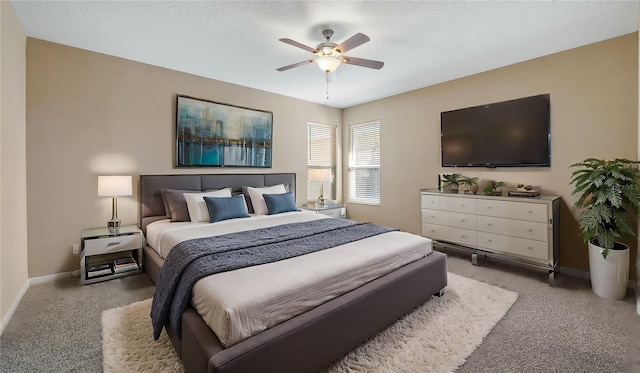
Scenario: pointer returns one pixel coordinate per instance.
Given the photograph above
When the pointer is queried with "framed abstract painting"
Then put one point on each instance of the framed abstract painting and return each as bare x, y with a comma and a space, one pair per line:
211, 134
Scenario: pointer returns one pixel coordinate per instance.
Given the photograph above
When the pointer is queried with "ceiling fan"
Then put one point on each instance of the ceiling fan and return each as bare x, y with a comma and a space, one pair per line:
330, 55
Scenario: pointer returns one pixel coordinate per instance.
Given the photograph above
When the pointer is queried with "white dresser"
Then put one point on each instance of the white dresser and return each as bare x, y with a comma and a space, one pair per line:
514, 228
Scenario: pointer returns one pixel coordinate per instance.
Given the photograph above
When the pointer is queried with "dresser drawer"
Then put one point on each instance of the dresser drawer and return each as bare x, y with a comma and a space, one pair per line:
452, 219
451, 234
463, 205
514, 245
516, 228
513, 210
105, 245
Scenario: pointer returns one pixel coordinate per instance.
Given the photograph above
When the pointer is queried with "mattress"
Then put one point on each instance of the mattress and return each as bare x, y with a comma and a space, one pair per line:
241, 303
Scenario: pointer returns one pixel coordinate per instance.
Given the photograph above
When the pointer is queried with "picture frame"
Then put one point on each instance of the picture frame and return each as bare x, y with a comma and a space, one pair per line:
213, 134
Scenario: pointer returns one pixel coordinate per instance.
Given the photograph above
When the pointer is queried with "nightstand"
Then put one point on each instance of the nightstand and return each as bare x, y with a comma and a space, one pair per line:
106, 256
337, 211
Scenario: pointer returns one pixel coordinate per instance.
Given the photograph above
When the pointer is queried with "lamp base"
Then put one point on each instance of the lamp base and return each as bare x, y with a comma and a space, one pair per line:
114, 225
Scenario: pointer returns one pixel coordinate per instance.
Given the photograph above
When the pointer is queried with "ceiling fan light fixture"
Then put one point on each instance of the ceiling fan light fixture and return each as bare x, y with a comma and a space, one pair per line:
328, 63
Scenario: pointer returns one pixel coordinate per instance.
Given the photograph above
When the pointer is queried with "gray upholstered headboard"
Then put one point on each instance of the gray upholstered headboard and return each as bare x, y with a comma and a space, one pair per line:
152, 207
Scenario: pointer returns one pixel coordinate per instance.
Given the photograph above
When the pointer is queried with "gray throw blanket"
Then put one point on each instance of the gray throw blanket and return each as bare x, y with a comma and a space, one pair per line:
194, 259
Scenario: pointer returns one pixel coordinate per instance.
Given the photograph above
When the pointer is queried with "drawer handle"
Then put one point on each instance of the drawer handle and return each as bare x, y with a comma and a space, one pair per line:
530, 212
463, 236
433, 216
530, 248
489, 224
462, 205
488, 207
113, 243
530, 230
463, 220
490, 240
433, 230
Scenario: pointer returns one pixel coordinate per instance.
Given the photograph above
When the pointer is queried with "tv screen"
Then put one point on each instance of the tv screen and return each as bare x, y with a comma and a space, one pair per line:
513, 133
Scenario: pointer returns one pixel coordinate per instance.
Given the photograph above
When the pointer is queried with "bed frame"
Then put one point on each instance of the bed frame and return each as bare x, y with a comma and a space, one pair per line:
307, 342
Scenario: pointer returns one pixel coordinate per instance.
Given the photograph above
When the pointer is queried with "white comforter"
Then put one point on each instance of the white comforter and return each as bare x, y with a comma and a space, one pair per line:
241, 303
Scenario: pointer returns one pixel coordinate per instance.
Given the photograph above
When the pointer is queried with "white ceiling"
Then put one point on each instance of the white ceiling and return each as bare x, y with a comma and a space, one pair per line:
421, 42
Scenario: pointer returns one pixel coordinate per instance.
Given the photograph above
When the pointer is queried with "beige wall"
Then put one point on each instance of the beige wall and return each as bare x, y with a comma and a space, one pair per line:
594, 113
13, 197
90, 114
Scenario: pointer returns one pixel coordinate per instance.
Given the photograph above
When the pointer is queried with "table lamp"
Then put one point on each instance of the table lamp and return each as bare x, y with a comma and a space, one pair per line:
322, 175
114, 186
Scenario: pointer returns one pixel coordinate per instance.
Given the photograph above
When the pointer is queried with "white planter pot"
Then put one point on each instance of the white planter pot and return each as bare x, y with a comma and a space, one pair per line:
609, 277
638, 283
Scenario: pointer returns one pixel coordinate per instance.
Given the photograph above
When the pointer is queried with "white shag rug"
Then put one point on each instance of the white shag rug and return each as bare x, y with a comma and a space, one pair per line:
436, 337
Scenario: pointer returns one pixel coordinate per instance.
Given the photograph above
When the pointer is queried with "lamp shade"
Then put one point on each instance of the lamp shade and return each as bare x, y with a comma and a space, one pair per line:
328, 63
115, 186
320, 174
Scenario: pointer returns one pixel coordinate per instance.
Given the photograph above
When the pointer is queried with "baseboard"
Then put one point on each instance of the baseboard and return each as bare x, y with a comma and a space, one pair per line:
48, 278
27, 284
585, 275
574, 272
14, 305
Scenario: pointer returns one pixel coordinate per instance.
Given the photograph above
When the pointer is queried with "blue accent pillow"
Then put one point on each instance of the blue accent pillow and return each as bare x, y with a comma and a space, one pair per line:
277, 203
223, 208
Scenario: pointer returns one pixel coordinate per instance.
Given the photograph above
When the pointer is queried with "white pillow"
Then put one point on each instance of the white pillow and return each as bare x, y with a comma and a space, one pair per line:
257, 200
198, 211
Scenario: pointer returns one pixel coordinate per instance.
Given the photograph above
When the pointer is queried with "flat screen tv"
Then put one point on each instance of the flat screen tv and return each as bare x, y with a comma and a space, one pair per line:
513, 133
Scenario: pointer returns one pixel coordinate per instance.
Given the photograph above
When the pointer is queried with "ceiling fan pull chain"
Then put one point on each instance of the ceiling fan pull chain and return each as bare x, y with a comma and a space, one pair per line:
327, 78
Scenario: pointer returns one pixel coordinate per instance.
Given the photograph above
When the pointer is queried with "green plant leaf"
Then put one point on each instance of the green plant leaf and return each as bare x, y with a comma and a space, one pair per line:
606, 189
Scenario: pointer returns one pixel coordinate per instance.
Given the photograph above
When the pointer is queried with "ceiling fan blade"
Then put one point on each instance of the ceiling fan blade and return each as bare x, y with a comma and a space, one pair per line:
299, 45
363, 62
354, 41
284, 68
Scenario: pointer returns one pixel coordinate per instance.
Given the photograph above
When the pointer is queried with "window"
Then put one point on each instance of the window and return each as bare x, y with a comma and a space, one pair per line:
364, 163
321, 155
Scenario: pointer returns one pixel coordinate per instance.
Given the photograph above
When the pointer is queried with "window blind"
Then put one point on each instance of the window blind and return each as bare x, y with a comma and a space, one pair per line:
321, 154
364, 163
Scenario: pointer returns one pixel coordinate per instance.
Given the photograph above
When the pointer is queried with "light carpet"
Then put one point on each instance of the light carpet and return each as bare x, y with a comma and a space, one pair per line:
436, 337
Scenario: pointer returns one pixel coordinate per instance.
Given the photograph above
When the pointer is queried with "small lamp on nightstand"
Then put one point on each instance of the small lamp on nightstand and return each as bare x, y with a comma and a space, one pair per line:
322, 175
114, 186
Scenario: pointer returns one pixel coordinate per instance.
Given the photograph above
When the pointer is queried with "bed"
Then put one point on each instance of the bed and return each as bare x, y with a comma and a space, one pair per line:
308, 341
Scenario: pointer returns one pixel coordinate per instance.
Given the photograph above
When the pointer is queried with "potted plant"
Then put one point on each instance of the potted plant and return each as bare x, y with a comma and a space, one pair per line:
451, 181
494, 188
607, 189
470, 184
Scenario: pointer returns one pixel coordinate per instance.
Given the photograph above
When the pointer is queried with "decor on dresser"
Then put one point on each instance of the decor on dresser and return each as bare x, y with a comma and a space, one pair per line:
470, 184
114, 186
607, 190
493, 188
211, 134
450, 182
321, 175
524, 190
